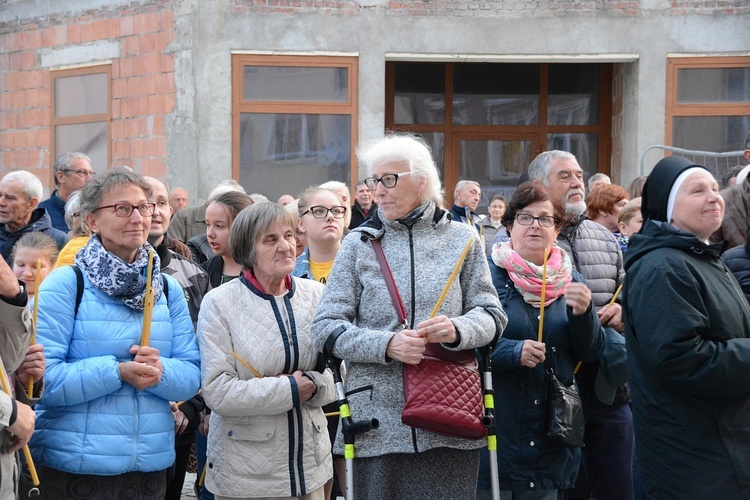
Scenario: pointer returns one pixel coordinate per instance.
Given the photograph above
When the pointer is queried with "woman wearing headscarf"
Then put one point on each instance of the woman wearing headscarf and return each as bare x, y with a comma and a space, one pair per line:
422, 247
104, 427
687, 327
530, 465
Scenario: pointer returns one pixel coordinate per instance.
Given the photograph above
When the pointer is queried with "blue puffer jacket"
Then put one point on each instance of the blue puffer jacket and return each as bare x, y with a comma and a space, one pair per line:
89, 421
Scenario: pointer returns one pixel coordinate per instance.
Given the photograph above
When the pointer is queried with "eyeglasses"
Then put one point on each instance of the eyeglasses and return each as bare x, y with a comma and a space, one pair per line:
528, 220
322, 212
388, 180
124, 210
82, 173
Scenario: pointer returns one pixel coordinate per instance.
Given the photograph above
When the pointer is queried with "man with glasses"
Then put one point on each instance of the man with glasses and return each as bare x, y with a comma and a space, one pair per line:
20, 213
71, 171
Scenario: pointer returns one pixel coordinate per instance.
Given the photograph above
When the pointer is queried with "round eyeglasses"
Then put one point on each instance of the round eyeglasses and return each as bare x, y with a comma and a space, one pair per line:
125, 210
322, 212
543, 220
388, 180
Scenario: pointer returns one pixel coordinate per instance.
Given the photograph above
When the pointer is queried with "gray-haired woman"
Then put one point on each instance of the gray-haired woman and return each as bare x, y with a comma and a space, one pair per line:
268, 433
422, 247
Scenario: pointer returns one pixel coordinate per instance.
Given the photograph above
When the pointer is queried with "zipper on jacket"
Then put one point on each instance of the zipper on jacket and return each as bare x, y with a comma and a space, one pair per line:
413, 279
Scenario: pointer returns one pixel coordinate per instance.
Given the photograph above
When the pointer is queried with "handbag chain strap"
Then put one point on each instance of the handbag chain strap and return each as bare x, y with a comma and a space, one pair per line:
390, 284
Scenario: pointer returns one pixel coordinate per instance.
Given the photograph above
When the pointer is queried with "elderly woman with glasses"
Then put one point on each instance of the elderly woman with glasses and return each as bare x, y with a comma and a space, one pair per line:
268, 436
530, 465
104, 427
422, 246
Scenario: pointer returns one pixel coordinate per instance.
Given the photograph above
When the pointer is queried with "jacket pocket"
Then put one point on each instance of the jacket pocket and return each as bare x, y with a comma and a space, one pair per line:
250, 448
320, 437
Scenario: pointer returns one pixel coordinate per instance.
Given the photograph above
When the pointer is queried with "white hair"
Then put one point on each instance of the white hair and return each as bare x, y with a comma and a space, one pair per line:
32, 186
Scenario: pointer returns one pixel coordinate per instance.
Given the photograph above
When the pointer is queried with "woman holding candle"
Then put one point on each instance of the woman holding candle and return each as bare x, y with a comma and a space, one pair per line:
687, 328
104, 424
527, 270
267, 436
421, 245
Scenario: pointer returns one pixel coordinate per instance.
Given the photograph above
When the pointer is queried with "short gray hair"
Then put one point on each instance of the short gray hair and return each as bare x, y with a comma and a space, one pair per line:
94, 190
249, 225
63, 163
460, 185
72, 206
409, 149
539, 167
32, 186
596, 177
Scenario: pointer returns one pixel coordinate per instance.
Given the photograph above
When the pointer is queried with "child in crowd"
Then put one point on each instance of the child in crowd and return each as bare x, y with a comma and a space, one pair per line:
629, 221
28, 250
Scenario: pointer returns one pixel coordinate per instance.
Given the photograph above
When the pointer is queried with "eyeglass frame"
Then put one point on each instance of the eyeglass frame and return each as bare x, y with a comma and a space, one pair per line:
328, 211
81, 172
133, 208
376, 180
538, 220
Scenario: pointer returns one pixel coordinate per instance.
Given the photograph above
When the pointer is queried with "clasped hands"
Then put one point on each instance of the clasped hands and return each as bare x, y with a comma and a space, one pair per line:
408, 346
145, 370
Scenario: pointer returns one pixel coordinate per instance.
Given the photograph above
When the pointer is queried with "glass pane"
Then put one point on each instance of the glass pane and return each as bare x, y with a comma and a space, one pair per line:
585, 147
712, 133
713, 85
295, 83
419, 95
495, 165
496, 94
573, 94
436, 142
81, 95
89, 138
286, 153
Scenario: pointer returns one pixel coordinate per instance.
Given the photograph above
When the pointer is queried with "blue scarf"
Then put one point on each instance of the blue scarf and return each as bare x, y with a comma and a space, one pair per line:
117, 278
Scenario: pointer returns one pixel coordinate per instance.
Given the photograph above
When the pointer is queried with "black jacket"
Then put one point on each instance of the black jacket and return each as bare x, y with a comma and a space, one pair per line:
687, 327
358, 214
737, 260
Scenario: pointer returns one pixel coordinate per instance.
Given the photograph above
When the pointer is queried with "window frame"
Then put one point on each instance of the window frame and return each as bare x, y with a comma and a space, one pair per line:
675, 109
56, 121
241, 105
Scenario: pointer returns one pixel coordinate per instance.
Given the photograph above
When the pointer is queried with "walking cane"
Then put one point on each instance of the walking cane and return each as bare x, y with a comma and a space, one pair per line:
489, 417
349, 428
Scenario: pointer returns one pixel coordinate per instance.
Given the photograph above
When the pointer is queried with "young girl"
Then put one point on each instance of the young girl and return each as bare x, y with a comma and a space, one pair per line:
220, 215
28, 250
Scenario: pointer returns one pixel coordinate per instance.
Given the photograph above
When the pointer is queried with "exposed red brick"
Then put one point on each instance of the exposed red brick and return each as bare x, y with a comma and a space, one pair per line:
74, 34
155, 167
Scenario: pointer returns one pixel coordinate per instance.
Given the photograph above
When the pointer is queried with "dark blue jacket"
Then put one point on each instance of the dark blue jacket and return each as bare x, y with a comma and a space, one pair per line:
525, 457
55, 207
40, 221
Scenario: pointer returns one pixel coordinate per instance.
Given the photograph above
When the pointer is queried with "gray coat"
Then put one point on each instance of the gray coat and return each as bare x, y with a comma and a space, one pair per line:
356, 297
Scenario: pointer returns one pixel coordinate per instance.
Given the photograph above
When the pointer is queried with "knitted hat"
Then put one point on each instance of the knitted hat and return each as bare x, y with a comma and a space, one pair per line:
655, 197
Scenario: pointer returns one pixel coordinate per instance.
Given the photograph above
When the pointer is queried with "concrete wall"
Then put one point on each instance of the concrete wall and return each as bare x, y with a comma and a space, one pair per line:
197, 146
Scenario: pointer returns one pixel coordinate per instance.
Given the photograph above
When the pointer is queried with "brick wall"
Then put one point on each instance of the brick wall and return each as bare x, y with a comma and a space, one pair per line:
143, 89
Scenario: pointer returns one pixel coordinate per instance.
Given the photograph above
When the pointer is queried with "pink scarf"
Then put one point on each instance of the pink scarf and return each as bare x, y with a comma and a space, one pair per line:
527, 276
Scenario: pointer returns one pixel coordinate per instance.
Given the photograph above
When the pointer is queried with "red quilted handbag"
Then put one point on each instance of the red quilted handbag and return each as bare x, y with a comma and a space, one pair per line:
443, 393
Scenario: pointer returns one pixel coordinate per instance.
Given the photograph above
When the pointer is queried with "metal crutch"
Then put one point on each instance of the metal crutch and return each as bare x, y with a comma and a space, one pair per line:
349, 428
489, 417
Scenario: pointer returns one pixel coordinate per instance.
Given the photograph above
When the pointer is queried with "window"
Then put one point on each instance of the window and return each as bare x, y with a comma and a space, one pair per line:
487, 121
82, 113
708, 104
294, 121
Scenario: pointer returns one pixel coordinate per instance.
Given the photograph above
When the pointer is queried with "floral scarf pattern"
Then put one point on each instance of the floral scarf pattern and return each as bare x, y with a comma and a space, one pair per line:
527, 276
117, 278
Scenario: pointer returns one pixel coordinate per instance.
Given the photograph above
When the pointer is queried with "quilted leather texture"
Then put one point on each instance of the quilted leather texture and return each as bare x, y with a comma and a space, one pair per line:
445, 395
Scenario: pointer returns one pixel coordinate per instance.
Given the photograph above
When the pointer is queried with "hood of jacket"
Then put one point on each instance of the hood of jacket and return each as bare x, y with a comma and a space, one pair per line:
656, 235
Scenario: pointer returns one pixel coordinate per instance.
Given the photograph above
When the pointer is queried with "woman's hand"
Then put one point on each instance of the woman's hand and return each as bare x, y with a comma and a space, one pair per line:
180, 419
578, 297
145, 369
407, 346
33, 364
533, 353
23, 427
438, 330
305, 386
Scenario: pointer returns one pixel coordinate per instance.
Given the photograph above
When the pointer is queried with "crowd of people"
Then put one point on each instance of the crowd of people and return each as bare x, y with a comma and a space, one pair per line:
138, 331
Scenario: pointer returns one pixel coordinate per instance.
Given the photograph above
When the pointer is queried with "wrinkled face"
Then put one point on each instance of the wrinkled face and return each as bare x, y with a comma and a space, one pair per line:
15, 207
497, 209
328, 230
218, 228
698, 206
122, 236
405, 196
163, 213
24, 267
468, 196
531, 241
275, 251
364, 196
566, 186
179, 199
76, 175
